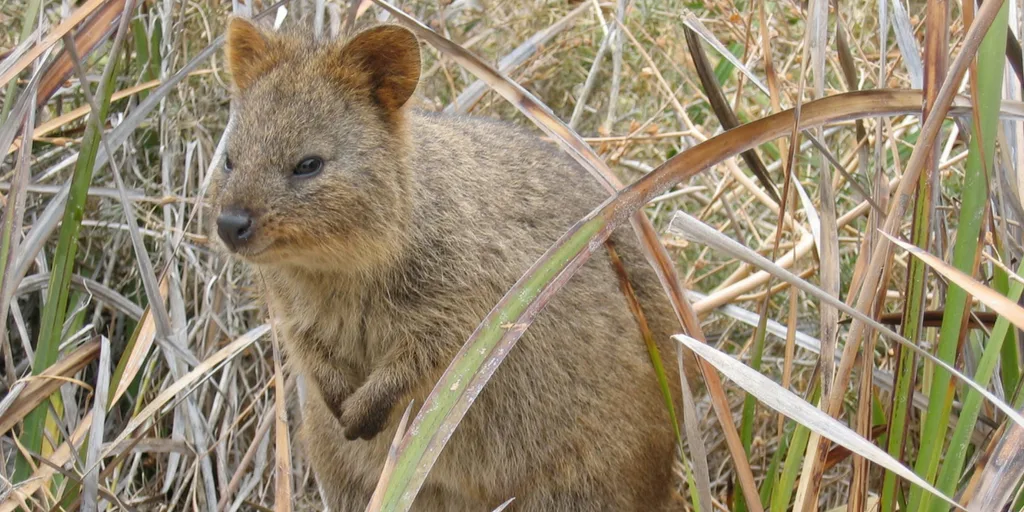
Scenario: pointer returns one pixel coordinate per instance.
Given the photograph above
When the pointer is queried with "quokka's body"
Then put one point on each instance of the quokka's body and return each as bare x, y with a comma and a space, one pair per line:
384, 235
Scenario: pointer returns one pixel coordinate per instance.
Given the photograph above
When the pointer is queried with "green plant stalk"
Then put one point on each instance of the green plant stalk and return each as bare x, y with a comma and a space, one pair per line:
652, 347
783, 492
155, 60
147, 52
55, 311
28, 20
750, 402
74, 324
989, 68
1011, 357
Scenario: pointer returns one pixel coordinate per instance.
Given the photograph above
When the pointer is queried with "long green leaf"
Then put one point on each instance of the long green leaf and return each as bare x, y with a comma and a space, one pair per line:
55, 311
749, 409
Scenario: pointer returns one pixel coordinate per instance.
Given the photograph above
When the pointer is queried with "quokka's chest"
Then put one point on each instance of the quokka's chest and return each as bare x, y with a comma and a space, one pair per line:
342, 331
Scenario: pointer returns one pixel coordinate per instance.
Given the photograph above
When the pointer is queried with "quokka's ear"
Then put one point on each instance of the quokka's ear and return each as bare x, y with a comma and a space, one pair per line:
249, 52
390, 54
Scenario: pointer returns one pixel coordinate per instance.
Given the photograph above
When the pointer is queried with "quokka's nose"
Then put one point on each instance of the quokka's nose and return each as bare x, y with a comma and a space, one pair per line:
235, 227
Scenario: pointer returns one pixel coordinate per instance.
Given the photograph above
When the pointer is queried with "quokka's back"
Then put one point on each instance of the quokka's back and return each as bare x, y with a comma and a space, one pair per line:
384, 235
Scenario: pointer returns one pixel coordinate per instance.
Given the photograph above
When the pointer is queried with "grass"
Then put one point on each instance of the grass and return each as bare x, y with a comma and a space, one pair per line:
196, 383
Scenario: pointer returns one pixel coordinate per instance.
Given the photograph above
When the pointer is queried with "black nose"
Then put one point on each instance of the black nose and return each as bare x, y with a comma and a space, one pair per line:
235, 227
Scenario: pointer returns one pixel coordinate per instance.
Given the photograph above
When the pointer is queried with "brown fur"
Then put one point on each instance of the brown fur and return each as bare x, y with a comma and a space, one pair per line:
381, 266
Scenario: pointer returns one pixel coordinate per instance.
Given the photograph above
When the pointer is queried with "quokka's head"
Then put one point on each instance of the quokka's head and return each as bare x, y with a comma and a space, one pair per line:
315, 171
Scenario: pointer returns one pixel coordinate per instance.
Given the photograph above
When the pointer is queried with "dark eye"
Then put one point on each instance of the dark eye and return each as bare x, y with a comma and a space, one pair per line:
309, 166
228, 166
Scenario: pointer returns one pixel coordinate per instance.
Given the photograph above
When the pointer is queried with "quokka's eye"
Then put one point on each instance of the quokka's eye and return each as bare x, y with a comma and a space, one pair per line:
309, 166
228, 166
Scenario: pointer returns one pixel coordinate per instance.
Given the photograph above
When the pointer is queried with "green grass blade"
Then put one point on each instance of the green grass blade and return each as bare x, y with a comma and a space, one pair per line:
55, 311
691, 485
155, 60
972, 214
652, 347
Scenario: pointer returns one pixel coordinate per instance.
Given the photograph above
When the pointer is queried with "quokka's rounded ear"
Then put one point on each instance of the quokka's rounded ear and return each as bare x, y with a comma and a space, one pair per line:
391, 56
249, 52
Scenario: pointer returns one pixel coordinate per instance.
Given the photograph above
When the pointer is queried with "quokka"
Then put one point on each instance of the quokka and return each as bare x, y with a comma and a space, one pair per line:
385, 234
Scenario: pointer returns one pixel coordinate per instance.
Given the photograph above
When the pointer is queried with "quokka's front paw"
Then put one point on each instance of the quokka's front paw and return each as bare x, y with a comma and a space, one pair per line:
364, 414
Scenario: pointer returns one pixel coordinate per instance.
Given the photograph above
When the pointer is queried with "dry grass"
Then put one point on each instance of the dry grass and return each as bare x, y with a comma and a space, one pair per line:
213, 442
